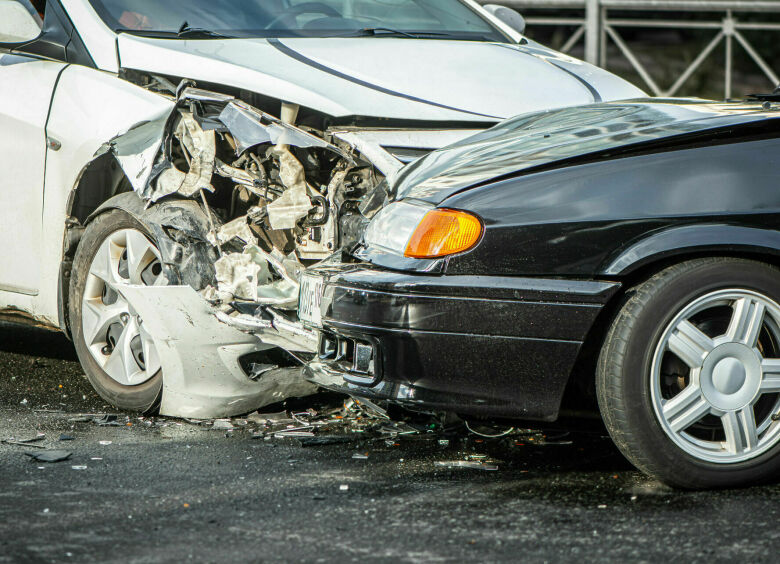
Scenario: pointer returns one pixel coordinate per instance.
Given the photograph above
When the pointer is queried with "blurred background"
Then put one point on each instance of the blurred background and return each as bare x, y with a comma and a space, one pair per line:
718, 49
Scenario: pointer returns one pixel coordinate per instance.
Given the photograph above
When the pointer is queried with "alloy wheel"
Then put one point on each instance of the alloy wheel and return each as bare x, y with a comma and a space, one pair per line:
715, 380
113, 332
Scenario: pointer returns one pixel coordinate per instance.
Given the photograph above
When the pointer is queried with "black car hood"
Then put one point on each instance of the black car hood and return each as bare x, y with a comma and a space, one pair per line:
545, 139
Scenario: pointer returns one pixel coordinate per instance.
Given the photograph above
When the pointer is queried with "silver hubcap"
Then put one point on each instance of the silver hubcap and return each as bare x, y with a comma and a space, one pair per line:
113, 332
716, 377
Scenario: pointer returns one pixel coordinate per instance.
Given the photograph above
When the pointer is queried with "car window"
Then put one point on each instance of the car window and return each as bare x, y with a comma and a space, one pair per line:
304, 18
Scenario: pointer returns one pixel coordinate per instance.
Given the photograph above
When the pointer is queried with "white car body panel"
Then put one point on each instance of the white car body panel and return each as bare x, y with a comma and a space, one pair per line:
386, 77
99, 40
89, 109
199, 357
25, 91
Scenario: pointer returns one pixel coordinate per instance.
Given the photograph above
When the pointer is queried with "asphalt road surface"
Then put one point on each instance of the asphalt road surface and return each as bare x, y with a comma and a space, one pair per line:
173, 491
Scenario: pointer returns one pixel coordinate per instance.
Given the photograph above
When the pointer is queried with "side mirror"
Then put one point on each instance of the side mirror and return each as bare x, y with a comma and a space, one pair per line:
510, 17
17, 24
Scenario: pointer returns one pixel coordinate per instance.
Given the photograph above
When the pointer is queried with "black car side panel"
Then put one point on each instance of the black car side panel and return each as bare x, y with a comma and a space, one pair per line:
584, 220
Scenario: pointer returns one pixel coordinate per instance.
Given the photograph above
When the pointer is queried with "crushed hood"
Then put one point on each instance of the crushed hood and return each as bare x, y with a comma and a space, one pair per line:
555, 137
385, 77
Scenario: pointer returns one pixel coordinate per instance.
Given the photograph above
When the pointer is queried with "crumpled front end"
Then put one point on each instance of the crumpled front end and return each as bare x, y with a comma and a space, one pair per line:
240, 204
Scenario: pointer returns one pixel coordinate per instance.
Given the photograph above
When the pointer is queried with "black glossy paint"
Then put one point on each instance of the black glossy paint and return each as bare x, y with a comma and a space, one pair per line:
472, 344
582, 220
711, 182
568, 203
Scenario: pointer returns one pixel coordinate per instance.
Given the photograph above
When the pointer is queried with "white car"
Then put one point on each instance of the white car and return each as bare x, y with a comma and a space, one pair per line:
168, 168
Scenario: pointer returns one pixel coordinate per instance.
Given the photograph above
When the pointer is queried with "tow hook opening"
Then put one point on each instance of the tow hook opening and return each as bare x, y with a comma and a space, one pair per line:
356, 357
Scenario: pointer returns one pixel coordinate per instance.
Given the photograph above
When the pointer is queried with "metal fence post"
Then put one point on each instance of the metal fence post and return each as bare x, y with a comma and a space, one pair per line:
592, 30
728, 29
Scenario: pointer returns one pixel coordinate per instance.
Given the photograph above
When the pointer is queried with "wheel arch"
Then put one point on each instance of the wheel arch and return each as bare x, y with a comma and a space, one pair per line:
180, 228
99, 181
701, 239
752, 244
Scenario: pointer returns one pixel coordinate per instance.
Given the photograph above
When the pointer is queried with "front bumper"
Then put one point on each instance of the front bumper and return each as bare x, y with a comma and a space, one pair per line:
494, 346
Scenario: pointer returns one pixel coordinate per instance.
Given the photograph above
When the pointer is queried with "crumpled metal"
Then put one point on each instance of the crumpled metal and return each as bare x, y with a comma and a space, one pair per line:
201, 145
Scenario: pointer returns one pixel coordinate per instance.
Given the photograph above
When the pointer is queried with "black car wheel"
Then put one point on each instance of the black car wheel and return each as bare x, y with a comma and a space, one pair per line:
118, 356
688, 379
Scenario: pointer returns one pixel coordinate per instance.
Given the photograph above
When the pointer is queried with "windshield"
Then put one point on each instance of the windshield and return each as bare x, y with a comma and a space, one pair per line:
445, 19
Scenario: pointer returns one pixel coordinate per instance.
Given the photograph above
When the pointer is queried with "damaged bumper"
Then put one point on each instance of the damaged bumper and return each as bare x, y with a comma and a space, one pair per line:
497, 346
207, 363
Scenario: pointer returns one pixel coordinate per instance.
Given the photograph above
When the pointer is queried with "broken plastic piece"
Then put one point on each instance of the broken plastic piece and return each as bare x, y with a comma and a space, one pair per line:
238, 229
247, 126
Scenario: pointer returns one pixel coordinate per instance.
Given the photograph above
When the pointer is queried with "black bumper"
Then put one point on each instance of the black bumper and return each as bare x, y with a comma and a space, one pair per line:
497, 346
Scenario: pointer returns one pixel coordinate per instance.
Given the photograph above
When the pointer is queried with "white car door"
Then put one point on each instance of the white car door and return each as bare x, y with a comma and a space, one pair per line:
26, 88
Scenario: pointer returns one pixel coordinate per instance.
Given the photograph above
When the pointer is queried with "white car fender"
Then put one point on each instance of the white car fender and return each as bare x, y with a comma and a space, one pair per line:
89, 109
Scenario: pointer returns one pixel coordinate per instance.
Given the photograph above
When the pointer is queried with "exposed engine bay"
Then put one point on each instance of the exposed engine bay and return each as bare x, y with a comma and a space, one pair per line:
241, 202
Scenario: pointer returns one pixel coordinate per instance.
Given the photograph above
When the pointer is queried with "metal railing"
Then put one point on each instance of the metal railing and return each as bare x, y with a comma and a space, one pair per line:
596, 27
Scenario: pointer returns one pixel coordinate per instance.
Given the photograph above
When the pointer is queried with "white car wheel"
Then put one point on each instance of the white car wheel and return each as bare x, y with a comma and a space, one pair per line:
113, 332
118, 355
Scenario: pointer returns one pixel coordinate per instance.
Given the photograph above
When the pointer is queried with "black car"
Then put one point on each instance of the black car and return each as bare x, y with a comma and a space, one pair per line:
621, 253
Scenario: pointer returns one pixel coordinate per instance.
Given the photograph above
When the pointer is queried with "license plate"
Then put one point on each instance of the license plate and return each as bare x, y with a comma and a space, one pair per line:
309, 300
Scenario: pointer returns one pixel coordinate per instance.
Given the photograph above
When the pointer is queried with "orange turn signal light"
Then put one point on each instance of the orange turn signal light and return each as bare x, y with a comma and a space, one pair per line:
444, 232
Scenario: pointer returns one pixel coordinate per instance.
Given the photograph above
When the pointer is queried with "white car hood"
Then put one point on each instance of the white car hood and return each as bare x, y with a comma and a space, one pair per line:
395, 78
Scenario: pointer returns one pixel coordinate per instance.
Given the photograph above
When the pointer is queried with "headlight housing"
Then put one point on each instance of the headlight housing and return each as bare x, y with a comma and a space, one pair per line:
418, 230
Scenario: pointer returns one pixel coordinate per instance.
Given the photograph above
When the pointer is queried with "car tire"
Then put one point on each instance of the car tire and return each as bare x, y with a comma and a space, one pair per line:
127, 386
677, 383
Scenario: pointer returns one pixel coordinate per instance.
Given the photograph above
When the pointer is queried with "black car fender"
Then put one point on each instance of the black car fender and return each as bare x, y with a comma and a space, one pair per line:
706, 238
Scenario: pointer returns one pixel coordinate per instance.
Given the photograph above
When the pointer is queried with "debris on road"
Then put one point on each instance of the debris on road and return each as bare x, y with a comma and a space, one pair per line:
51, 456
222, 425
27, 442
465, 464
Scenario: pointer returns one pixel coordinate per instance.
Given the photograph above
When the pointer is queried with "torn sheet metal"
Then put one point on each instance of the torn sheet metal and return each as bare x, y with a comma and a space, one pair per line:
200, 357
294, 204
247, 126
200, 150
142, 152
136, 150
283, 292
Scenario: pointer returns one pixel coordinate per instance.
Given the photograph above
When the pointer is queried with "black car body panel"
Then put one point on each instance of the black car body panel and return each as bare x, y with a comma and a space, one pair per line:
573, 204
500, 346
557, 138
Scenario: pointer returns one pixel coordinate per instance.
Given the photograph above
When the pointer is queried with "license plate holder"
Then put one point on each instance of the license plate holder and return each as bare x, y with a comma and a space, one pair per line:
309, 300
